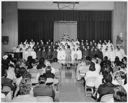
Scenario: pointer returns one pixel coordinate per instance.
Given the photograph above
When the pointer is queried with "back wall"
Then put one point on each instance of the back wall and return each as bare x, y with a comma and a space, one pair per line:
39, 24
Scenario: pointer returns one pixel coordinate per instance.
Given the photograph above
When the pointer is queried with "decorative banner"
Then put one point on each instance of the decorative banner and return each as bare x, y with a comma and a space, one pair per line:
65, 30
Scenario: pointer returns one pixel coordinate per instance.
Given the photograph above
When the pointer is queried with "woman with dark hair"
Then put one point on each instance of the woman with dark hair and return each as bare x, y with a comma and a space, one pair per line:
107, 87
120, 94
41, 63
92, 71
24, 91
29, 62
117, 61
68, 56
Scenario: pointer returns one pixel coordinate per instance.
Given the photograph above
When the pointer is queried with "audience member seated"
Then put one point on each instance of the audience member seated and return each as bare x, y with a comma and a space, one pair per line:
25, 87
42, 89
107, 87
11, 73
50, 77
120, 94
41, 66
47, 63
57, 66
82, 68
92, 71
34, 74
108, 71
29, 62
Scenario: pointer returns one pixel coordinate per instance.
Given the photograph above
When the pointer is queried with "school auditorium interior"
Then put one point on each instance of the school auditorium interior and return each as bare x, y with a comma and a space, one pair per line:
64, 51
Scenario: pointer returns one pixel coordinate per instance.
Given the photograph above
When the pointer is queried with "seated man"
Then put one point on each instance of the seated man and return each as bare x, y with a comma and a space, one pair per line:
42, 89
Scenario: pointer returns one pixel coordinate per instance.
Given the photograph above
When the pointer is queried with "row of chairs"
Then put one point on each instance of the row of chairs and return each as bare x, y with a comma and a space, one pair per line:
89, 90
8, 97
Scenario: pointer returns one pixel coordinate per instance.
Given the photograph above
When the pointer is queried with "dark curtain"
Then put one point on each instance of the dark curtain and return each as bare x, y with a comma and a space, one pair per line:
38, 24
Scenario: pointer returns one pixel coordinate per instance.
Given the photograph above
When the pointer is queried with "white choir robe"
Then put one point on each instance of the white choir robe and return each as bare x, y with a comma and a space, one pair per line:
122, 52
105, 53
79, 55
73, 53
99, 46
21, 45
61, 56
17, 50
25, 55
112, 56
33, 54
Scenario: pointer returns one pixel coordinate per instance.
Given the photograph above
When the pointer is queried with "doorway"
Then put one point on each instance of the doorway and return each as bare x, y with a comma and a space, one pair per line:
67, 28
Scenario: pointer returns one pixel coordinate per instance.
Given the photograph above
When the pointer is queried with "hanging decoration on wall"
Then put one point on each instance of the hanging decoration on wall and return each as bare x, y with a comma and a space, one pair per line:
65, 37
5, 40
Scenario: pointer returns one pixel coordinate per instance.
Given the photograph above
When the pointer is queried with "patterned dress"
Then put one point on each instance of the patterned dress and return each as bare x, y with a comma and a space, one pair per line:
68, 56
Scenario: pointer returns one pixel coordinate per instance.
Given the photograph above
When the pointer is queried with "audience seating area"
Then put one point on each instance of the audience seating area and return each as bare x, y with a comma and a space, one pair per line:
35, 77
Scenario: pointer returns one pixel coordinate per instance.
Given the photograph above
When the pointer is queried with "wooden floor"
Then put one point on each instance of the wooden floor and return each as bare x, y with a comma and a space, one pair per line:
70, 89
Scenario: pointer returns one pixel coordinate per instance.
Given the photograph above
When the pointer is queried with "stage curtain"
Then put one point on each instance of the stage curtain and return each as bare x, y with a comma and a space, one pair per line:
39, 24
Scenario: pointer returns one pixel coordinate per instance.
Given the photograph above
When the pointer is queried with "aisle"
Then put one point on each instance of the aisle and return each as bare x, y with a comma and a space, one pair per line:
70, 89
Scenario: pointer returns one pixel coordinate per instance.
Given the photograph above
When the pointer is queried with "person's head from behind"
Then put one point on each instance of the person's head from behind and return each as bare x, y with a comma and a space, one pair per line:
105, 58
88, 58
48, 69
117, 59
108, 78
124, 60
41, 61
29, 59
42, 79
92, 67
25, 86
55, 60
120, 94
22, 70
17, 72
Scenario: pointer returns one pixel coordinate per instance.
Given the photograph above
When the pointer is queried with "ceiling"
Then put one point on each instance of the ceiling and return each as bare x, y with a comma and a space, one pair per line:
84, 5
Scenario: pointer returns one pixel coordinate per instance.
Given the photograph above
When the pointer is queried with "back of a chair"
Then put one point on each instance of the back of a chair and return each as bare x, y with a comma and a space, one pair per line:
34, 77
107, 98
90, 81
3, 97
6, 89
44, 99
49, 80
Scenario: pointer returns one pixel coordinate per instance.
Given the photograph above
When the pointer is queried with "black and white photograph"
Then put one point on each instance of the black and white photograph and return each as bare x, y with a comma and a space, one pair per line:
64, 51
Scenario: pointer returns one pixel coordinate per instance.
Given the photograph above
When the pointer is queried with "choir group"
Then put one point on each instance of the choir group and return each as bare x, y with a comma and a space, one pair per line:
68, 51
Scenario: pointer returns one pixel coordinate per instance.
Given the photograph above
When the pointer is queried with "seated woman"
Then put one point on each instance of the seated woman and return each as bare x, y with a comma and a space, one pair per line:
107, 87
50, 76
82, 69
92, 71
119, 78
24, 93
57, 66
21, 75
120, 94
42, 89
41, 66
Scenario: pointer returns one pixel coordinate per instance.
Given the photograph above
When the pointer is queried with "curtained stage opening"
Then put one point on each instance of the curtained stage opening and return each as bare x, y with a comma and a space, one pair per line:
39, 24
